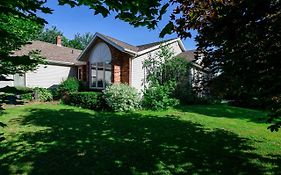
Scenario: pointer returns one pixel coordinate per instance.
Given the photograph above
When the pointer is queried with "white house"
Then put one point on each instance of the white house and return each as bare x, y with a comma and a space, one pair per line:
105, 60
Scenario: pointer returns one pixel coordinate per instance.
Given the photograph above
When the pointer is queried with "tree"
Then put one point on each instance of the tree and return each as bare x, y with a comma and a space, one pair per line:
83, 39
49, 35
167, 80
241, 39
18, 25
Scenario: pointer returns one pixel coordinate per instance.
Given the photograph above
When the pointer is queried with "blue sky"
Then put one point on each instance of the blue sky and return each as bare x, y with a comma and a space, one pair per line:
81, 20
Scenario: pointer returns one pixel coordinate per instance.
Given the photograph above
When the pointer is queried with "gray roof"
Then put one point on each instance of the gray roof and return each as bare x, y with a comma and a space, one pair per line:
134, 48
121, 43
188, 55
51, 52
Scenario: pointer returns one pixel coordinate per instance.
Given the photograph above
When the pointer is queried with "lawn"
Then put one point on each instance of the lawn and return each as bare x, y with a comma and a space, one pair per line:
214, 139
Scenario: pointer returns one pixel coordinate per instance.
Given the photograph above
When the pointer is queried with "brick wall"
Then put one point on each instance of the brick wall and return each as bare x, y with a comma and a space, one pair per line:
121, 64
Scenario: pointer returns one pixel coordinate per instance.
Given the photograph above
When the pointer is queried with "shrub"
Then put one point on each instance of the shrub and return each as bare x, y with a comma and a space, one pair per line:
122, 97
55, 93
25, 93
27, 96
90, 100
43, 94
69, 85
158, 97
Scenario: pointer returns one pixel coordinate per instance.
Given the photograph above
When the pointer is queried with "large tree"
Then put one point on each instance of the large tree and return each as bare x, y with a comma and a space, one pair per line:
80, 41
241, 39
18, 25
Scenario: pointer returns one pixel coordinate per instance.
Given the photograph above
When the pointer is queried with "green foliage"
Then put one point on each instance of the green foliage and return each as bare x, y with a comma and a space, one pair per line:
167, 78
275, 114
137, 13
80, 41
19, 24
68, 86
27, 96
159, 97
122, 97
89, 100
49, 35
43, 94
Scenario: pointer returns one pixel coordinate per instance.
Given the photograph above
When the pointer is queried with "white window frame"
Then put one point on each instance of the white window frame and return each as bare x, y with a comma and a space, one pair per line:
103, 72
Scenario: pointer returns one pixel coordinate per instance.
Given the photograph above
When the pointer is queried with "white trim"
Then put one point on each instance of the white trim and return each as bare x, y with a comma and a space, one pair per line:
128, 51
108, 41
61, 63
163, 44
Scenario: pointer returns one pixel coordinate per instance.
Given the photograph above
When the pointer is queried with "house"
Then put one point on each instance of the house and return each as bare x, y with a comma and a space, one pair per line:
104, 61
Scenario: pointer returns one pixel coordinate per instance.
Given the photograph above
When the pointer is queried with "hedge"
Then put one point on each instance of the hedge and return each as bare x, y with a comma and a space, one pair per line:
89, 100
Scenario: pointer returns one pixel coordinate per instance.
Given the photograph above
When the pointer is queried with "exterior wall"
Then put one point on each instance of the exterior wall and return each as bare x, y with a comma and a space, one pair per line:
138, 73
121, 63
48, 76
7, 83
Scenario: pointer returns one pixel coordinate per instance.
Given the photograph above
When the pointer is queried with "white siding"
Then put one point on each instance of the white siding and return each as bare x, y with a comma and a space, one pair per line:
7, 83
47, 76
138, 73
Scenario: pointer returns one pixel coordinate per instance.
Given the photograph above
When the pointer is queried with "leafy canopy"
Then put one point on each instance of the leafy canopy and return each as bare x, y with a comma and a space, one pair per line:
80, 41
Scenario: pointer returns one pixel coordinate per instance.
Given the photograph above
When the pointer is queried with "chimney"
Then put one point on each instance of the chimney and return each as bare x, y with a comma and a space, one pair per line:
59, 40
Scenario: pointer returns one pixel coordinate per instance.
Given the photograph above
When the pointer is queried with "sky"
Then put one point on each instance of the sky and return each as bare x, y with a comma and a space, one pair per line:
82, 19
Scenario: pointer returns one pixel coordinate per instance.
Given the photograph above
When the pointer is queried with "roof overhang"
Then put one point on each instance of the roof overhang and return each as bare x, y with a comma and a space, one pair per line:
163, 44
63, 63
98, 35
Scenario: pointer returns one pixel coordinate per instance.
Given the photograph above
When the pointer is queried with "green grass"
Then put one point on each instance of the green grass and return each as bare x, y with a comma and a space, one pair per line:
215, 139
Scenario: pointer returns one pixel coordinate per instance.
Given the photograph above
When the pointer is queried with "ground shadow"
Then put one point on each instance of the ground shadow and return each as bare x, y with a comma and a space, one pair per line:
76, 142
226, 112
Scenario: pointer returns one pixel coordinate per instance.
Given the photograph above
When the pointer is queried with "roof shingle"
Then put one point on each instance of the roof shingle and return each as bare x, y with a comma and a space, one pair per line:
51, 52
187, 55
134, 48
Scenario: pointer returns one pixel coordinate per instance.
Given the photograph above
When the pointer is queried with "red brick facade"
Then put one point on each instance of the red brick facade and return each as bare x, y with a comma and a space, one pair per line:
121, 64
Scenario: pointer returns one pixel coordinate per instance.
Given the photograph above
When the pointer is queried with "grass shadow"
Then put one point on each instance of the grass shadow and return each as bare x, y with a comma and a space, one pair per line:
75, 142
226, 112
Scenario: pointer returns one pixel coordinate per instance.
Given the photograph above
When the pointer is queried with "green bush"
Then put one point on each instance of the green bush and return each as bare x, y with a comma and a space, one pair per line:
43, 94
90, 100
68, 86
25, 93
122, 97
26, 96
55, 93
158, 97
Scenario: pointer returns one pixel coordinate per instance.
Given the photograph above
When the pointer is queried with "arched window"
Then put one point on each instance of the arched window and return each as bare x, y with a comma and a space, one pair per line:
100, 66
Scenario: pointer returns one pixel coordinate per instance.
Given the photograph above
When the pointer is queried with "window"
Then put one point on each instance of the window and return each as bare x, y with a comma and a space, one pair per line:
100, 75
80, 74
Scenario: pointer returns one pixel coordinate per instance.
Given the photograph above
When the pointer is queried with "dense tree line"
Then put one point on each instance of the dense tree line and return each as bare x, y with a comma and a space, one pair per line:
80, 41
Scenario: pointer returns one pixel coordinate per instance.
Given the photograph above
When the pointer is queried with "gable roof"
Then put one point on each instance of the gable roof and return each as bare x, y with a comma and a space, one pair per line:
128, 48
188, 55
52, 52
149, 45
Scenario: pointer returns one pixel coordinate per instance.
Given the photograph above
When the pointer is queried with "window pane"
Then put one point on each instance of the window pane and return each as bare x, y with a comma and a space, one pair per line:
94, 74
107, 74
100, 75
